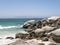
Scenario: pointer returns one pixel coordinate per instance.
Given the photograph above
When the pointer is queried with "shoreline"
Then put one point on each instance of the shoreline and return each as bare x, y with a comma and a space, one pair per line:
42, 32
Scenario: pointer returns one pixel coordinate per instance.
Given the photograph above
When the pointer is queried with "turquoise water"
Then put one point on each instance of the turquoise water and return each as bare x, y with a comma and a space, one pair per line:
12, 25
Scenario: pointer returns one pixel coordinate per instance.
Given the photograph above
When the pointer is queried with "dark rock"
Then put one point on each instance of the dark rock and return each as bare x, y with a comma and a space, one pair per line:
45, 39
29, 24
32, 35
9, 38
39, 24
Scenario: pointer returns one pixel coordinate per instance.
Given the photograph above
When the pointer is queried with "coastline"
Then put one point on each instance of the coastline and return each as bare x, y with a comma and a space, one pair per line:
35, 33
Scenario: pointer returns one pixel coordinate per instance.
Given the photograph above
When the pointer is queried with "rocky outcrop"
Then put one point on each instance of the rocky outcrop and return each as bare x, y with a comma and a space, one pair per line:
33, 24
53, 21
45, 30
29, 24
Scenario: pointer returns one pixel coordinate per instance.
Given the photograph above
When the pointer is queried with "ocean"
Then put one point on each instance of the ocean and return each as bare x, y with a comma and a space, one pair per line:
12, 26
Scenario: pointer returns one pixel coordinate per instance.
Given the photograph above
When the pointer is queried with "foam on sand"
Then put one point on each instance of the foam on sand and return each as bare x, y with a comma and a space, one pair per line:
6, 41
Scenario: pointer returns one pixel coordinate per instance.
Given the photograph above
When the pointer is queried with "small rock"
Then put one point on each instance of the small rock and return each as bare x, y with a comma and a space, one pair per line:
9, 38
45, 39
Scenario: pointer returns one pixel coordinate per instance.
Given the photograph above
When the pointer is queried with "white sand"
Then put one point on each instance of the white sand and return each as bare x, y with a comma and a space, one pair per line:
3, 36
7, 41
4, 41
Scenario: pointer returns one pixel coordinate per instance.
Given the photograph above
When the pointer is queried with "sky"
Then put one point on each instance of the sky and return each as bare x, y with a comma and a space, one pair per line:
29, 8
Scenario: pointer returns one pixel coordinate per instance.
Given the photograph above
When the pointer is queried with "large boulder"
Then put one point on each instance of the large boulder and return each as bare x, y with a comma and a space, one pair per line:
44, 22
31, 33
48, 28
55, 35
22, 35
58, 23
39, 32
52, 20
29, 24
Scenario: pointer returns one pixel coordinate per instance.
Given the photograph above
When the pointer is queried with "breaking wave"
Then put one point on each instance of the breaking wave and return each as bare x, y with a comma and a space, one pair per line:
8, 27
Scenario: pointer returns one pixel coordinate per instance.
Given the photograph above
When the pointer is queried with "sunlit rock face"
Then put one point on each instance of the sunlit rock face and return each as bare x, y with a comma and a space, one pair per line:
22, 35
54, 18
56, 35
54, 21
48, 28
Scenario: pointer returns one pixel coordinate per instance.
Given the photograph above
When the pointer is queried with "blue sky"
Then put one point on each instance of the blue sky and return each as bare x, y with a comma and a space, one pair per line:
29, 8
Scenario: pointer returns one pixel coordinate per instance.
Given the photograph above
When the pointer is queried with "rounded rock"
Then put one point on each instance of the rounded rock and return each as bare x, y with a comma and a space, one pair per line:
55, 35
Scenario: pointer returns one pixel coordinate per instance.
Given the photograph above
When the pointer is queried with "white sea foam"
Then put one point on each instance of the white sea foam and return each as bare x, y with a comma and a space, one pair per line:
7, 27
3, 36
19, 26
6, 41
